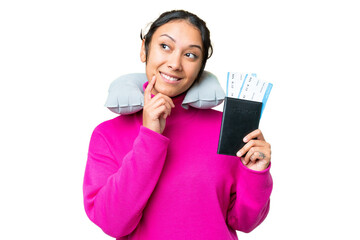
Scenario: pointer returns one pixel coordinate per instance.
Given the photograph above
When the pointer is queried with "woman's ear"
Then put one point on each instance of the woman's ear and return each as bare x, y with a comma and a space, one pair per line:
143, 52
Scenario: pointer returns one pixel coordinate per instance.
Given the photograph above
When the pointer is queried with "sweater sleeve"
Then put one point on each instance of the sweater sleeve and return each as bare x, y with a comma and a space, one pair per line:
115, 194
250, 203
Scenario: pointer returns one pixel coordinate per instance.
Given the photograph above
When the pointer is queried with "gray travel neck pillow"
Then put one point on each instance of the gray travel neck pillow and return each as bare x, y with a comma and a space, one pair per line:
126, 94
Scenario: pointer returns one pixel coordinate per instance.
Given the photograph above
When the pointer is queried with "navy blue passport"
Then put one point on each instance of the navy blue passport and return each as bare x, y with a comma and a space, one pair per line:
240, 117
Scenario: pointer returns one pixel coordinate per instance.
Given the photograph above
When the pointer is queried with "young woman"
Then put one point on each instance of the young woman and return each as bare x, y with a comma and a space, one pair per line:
156, 174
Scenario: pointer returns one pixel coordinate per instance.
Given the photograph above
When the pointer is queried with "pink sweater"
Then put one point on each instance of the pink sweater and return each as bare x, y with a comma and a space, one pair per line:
139, 184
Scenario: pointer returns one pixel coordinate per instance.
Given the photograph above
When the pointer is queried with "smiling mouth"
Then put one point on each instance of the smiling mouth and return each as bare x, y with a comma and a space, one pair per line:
170, 78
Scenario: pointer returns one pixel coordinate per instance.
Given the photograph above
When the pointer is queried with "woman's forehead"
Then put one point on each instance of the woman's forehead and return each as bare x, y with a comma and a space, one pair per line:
180, 30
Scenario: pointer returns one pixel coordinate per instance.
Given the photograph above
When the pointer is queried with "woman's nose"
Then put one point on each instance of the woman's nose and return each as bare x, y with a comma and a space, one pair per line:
174, 62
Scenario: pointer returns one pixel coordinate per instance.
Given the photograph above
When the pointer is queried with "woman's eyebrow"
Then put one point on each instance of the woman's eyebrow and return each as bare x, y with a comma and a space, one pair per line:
196, 46
172, 39
168, 37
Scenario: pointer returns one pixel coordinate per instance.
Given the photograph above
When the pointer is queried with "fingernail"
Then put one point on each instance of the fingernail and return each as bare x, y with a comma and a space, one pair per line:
245, 139
238, 154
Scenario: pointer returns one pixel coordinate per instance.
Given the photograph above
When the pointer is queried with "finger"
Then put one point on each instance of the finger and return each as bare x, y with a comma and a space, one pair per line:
162, 96
255, 154
166, 109
249, 153
168, 100
161, 111
256, 134
161, 105
159, 101
148, 89
249, 145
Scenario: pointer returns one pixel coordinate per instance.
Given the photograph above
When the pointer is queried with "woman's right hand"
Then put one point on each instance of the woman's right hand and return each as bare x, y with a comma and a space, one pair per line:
156, 109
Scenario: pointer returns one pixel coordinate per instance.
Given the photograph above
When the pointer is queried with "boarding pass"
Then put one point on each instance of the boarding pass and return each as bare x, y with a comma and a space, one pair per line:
248, 86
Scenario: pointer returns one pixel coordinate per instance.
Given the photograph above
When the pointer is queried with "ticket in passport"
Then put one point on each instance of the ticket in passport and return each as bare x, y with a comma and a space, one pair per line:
248, 86
246, 97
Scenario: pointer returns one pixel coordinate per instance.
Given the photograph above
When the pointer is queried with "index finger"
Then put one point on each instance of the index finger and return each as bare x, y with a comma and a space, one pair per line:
149, 87
254, 134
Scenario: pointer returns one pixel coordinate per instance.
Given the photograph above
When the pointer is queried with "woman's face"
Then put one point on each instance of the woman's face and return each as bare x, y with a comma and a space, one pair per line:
174, 57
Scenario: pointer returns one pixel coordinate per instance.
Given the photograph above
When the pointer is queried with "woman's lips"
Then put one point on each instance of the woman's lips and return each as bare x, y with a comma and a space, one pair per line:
169, 79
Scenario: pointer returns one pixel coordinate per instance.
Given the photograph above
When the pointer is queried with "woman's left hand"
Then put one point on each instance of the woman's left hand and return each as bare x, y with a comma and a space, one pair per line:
257, 150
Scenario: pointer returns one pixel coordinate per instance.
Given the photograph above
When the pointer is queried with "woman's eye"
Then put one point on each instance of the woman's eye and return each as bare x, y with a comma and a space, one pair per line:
164, 46
191, 55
